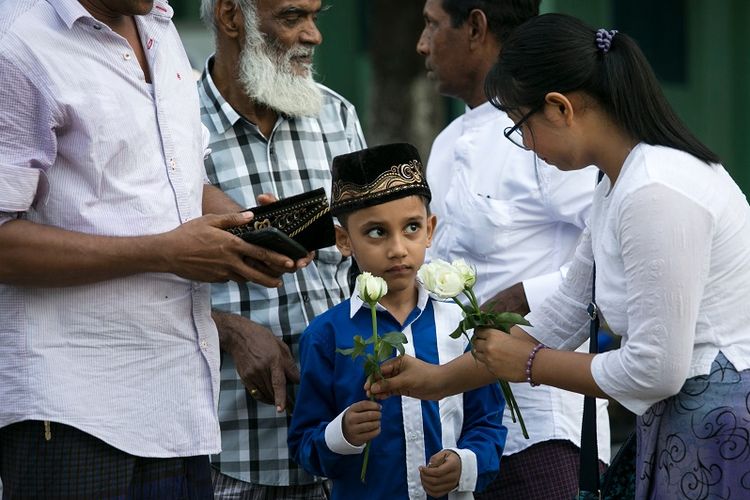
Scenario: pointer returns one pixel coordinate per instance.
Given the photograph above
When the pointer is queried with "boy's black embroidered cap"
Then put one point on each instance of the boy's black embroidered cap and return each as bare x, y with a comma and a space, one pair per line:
376, 175
306, 218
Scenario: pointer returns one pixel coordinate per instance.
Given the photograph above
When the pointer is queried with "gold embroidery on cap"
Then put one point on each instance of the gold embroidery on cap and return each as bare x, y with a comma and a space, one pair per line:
395, 178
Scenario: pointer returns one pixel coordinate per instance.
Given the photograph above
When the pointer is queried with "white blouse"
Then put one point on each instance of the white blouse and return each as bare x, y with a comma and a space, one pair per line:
671, 240
514, 218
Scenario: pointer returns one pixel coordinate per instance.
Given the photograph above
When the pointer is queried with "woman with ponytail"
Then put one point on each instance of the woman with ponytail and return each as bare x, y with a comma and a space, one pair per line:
669, 232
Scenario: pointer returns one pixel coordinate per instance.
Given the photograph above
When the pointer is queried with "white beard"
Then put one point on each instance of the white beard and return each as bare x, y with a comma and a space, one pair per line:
267, 76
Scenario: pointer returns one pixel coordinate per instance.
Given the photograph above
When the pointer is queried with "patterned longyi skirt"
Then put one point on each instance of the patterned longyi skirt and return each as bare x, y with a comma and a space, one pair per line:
696, 444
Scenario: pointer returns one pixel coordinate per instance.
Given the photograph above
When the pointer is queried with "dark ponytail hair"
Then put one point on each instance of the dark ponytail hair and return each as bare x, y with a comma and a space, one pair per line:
558, 53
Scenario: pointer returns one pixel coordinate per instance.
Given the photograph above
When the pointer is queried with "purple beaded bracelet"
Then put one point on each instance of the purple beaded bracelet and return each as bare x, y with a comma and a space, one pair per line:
530, 361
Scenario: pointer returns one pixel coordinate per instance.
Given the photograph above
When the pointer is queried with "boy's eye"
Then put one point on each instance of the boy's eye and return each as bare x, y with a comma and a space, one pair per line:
412, 228
375, 232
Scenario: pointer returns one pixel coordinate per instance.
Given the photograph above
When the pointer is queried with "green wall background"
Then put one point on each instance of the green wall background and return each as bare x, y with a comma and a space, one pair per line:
711, 99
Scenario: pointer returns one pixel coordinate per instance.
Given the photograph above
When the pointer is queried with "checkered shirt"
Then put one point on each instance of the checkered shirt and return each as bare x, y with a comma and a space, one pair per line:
295, 158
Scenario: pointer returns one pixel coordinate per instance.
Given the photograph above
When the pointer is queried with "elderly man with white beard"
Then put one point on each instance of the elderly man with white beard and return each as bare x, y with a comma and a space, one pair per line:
274, 133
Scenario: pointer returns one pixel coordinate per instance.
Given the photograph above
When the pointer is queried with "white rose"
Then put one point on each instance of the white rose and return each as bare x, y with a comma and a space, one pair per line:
441, 279
468, 272
371, 288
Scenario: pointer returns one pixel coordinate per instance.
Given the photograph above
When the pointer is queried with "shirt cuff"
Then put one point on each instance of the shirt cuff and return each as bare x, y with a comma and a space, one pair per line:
539, 288
468, 479
335, 439
599, 373
19, 187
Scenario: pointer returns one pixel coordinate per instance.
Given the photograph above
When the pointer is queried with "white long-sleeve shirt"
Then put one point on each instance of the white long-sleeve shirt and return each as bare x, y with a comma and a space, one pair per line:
671, 241
514, 218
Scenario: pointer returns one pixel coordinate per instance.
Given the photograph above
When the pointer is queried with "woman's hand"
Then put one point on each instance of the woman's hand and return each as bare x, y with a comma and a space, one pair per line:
407, 376
504, 355
412, 377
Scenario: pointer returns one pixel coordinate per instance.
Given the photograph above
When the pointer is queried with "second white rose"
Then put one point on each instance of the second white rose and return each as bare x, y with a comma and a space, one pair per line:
441, 279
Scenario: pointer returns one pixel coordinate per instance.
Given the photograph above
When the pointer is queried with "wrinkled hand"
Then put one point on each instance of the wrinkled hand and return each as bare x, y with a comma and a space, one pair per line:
407, 376
504, 355
361, 422
263, 362
201, 250
440, 476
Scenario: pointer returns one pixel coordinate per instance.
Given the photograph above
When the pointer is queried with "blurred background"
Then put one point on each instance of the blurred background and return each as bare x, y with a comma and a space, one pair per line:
697, 49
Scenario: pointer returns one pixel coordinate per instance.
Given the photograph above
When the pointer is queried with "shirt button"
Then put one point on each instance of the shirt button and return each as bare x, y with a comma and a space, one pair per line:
305, 298
97, 27
172, 163
204, 344
126, 56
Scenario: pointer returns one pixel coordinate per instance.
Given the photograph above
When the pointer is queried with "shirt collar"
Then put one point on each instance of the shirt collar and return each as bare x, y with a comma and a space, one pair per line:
356, 303
71, 10
481, 114
220, 112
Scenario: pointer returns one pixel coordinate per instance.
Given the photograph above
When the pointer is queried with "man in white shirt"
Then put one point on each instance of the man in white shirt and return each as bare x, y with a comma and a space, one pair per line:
512, 216
109, 360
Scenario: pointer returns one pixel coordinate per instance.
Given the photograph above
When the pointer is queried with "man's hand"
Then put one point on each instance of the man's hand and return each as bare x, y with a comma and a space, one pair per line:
201, 250
361, 422
263, 362
512, 299
266, 199
441, 474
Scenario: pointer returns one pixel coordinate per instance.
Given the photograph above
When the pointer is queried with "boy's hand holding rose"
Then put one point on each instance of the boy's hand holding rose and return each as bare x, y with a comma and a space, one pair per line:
441, 475
361, 422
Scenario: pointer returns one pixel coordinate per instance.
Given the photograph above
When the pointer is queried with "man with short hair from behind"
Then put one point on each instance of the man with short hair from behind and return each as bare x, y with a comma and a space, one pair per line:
274, 133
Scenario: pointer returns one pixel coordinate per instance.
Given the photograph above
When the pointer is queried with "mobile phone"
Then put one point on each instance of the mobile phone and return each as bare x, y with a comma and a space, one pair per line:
276, 240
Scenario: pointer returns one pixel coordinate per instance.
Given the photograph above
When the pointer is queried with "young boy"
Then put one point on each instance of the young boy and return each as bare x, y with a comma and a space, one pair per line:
419, 448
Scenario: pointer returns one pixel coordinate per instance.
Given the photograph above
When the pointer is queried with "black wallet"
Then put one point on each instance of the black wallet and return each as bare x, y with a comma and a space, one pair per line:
276, 240
305, 218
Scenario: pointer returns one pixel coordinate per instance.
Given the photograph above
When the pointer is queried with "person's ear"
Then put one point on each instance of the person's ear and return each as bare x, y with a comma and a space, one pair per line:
430, 227
477, 25
559, 108
343, 243
229, 18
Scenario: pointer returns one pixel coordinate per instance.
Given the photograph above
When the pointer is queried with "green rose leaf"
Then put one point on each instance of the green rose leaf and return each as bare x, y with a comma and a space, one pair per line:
385, 351
458, 331
394, 339
371, 366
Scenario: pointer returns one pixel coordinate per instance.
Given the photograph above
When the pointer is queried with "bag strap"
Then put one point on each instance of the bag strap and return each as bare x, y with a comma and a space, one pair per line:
588, 479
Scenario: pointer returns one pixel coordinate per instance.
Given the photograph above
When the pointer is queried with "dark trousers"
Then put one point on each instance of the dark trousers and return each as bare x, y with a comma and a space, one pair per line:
66, 463
543, 471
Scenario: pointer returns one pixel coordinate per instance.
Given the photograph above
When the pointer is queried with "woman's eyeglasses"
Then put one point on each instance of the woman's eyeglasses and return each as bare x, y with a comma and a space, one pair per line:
515, 133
